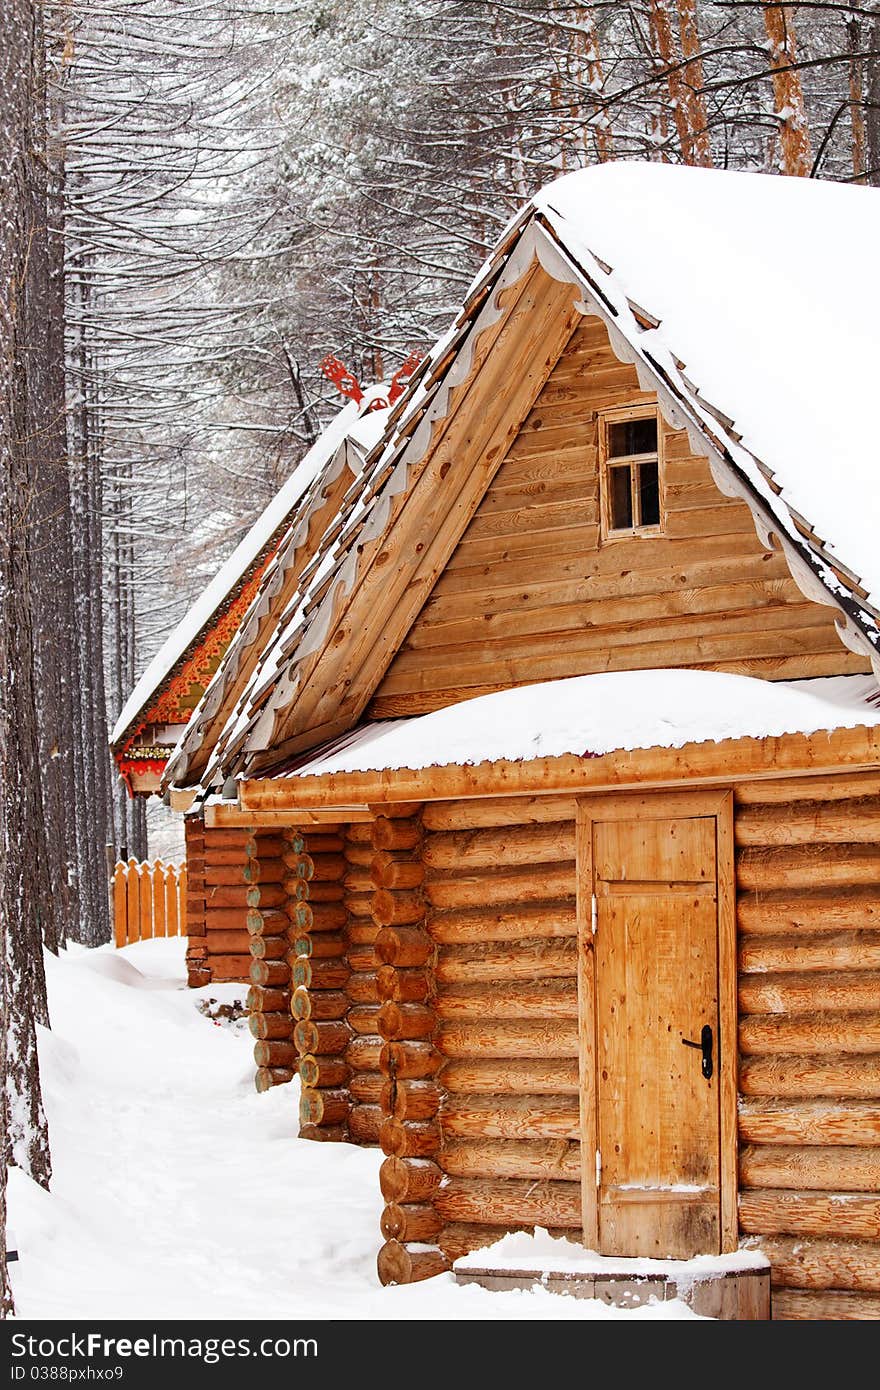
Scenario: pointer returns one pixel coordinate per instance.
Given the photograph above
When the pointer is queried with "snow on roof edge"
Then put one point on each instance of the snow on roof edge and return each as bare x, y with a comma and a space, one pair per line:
592, 715
248, 550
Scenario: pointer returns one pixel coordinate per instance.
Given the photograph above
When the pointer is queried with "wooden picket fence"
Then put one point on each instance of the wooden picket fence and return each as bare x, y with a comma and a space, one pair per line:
149, 899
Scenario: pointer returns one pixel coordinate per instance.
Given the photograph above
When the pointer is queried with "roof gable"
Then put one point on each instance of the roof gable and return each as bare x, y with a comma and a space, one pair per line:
535, 592
422, 484
174, 682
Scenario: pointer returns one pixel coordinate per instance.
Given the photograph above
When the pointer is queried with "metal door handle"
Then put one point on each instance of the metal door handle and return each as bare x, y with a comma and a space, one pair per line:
704, 1046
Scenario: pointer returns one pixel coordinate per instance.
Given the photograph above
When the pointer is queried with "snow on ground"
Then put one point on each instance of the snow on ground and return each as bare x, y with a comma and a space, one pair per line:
178, 1192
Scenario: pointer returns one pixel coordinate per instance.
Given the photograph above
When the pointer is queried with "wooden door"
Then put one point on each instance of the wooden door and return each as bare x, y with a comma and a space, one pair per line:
655, 982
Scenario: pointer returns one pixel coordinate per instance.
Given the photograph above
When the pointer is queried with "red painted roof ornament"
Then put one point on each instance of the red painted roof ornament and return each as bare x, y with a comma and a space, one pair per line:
405, 370
344, 380
348, 384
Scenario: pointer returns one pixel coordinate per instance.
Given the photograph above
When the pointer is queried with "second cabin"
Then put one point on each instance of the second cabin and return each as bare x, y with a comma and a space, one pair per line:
551, 765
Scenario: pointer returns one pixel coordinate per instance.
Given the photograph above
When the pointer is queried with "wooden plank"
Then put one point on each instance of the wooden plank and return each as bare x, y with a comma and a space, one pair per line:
810, 823
809, 1034
810, 1076
133, 901
497, 1076
221, 816
809, 1122
834, 1214
793, 992
856, 785
539, 999
587, 1039
506, 846
815, 1168
527, 959
497, 811
836, 751
728, 1098
160, 890
524, 1158
802, 1262
505, 1039
550, 581
483, 621
527, 1117
469, 926
824, 1305
808, 866
803, 911
517, 885
775, 633
797, 666
120, 903
496, 1201
836, 951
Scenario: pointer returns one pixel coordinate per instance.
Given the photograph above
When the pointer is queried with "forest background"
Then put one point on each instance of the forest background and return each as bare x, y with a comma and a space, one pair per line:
200, 200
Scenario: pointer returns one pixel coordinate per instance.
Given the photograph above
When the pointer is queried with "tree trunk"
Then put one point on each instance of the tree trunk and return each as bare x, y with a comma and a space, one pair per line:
26, 909
872, 114
788, 93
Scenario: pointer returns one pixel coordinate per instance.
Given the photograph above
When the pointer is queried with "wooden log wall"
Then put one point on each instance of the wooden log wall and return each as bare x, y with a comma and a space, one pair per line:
500, 889
315, 884
365, 1045
263, 930
808, 898
242, 871
406, 1020
197, 969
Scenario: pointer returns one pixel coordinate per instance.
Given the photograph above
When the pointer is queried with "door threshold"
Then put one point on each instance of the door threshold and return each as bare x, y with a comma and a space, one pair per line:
734, 1287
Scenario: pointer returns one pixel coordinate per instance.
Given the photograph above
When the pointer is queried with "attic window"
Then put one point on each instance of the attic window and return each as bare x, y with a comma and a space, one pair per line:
630, 472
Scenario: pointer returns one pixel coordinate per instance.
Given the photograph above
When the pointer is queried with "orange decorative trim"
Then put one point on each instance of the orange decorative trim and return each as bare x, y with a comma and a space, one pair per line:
182, 690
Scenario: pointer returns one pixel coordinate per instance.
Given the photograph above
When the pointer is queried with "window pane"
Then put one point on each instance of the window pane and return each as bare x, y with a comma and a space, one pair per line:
620, 498
649, 494
632, 437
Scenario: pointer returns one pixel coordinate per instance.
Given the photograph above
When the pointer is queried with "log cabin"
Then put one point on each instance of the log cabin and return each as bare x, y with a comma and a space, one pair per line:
547, 781
159, 708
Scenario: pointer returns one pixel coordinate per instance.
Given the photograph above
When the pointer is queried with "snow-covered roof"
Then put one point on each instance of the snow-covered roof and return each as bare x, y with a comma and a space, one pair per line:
606, 712
351, 423
745, 301
768, 295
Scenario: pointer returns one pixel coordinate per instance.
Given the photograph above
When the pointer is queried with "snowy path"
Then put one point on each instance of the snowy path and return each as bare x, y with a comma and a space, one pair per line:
181, 1193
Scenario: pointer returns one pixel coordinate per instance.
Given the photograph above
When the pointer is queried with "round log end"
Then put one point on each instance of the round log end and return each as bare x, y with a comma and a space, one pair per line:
267, 1077
397, 1265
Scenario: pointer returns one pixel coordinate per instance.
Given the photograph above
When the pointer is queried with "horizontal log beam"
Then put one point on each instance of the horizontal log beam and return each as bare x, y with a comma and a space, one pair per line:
534, 1117
832, 1169
809, 1121
497, 1201
535, 1158
832, 1214
533, 1039
810, 1076
830, 753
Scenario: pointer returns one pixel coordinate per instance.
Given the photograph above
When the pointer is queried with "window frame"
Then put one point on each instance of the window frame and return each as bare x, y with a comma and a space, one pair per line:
607, 462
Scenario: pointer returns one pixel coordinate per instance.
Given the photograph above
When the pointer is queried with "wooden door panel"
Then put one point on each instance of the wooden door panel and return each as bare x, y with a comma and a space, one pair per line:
650, 850
656, 984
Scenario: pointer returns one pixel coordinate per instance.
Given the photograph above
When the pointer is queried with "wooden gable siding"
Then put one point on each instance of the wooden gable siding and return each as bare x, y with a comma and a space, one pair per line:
530, 594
